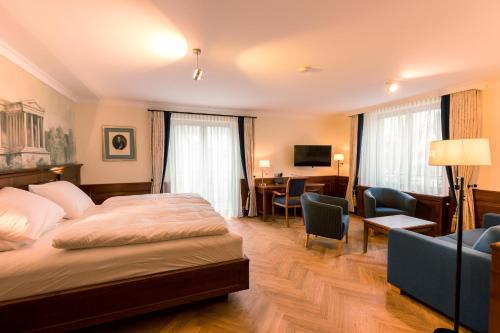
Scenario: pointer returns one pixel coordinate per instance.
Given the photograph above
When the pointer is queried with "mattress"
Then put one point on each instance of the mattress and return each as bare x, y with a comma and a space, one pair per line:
41, 268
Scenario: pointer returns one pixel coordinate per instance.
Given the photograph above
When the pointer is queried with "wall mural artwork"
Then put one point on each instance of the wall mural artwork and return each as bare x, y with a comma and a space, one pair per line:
27, 142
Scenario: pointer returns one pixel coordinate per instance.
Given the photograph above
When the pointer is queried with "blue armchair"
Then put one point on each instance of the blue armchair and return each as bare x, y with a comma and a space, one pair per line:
382, 201
424, 267
325, 216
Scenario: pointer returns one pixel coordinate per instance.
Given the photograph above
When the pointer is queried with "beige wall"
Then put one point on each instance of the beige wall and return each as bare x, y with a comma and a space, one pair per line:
17, 85
275, 138
90, 117
489, 176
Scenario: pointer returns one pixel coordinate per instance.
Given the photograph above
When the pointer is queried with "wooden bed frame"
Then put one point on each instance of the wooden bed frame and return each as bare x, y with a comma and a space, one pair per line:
100, 303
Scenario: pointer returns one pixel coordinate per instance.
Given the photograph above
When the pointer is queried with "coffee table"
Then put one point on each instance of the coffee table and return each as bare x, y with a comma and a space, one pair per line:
385, 223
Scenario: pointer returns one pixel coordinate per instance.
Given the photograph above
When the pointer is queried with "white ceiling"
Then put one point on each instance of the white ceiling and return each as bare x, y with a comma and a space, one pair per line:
141, 49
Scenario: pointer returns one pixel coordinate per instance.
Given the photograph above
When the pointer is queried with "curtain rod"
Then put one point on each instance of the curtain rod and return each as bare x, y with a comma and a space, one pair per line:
406, 100
203, 114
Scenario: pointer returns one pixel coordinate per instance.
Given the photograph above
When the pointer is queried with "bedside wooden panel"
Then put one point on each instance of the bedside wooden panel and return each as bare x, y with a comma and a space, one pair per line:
101, 192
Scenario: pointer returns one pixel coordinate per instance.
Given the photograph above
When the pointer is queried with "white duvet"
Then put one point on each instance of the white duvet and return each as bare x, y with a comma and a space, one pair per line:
142, 219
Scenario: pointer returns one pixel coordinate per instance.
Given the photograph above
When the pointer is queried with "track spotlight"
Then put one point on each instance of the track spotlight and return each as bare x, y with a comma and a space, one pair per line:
198, 73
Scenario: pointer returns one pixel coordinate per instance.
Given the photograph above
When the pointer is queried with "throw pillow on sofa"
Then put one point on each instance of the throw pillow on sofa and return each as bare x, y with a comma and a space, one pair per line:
491, 235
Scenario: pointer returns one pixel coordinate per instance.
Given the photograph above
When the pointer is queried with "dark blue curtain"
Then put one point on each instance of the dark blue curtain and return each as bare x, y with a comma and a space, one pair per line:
358, 147
445, 129
166, 125
241, 134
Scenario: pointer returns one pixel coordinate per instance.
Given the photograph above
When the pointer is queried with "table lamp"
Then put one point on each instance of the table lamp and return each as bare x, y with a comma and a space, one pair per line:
59, 172
263, 164
340, 161
471, 152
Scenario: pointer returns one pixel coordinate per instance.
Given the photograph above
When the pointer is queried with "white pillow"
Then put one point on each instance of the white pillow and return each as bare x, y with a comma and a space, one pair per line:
73, 200
25, 216
13, 224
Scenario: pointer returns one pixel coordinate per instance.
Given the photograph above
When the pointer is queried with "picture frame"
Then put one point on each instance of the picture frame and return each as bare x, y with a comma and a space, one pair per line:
118, 143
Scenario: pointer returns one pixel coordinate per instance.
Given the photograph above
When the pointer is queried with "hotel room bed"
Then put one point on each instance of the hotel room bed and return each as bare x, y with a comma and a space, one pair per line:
41, 268
47, 289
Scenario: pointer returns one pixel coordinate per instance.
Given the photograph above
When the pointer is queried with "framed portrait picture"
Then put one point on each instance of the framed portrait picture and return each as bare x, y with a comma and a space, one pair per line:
118, 143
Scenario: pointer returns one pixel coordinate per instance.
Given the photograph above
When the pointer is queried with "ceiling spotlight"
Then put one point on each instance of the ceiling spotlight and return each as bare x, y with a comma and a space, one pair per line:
308, 69
392, 87
304, 69
198, 73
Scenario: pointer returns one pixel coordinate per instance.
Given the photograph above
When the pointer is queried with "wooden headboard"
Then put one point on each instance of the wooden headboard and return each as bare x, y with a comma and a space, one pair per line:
23, 177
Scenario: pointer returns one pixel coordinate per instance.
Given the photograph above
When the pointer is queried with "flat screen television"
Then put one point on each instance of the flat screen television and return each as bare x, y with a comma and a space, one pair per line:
312, 155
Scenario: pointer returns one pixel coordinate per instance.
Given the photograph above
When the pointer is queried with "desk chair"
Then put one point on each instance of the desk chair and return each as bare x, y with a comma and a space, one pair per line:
295, 187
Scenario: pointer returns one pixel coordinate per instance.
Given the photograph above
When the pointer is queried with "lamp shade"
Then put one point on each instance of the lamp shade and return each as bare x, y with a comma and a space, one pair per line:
460, 152
264, 164
338, 157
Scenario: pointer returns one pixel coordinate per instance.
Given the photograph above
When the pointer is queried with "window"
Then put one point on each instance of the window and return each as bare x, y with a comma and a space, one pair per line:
204, 158
395, 148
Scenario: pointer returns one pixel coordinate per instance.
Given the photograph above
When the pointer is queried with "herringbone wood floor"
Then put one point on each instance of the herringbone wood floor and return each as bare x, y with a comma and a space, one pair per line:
294, 289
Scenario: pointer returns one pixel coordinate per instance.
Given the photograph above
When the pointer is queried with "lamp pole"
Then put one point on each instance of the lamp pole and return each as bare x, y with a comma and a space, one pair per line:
458, 273
458, 267
262, 177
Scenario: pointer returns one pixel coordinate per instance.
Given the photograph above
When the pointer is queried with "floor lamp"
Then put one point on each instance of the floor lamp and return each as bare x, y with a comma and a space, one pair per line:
455, 153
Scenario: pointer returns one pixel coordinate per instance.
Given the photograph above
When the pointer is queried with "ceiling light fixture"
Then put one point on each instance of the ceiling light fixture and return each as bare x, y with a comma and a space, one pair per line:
392, 86
304, 69
198, 73
308, 69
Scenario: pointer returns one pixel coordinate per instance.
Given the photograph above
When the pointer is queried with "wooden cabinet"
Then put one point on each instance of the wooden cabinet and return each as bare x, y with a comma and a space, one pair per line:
485, 202
335, 186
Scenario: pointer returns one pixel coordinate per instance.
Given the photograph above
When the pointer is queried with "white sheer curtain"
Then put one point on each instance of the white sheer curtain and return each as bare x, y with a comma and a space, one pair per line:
395, 148
204, 158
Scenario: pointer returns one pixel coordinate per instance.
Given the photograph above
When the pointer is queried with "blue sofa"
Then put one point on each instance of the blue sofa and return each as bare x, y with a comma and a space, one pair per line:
424, 267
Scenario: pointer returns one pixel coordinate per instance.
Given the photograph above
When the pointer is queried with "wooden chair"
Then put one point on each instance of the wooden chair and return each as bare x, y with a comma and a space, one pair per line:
295, 187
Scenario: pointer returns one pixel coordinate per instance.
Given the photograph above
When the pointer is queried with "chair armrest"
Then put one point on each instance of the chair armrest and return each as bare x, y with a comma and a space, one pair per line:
406, 202
370, 204
335, 201
491, 220
323, 219
409, 203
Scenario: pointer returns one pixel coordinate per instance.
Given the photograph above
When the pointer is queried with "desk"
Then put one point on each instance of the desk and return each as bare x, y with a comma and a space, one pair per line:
266, 190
